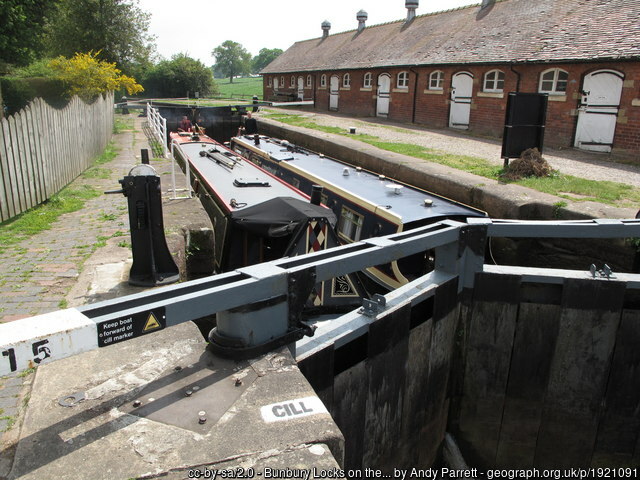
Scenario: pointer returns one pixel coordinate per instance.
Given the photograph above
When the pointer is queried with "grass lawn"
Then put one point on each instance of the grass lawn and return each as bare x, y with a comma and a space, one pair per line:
69, 199
565, 186
240, 91
241, 87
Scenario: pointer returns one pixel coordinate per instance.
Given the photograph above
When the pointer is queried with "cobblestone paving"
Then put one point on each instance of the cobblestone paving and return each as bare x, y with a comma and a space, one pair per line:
37, 273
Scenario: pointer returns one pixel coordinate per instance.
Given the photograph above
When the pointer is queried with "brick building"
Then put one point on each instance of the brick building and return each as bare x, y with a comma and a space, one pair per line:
455, 68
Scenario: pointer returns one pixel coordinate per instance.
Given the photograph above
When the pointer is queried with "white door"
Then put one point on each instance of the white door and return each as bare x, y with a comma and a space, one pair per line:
300, 88
461, 93
334, 93
598, 111
384, 95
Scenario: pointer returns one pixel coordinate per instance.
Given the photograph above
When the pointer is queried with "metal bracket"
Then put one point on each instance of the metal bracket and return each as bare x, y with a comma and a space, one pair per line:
372, 307
301, 284
474, 238
71, 400
606, 272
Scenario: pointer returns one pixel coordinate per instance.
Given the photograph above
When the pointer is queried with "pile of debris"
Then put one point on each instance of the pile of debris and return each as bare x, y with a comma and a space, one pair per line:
530, 164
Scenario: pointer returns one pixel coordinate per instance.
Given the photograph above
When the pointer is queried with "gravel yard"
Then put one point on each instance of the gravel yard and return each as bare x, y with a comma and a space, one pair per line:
593, 166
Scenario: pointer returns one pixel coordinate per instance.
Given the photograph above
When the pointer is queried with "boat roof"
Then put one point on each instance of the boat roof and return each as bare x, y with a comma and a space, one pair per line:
381, 193
236, 181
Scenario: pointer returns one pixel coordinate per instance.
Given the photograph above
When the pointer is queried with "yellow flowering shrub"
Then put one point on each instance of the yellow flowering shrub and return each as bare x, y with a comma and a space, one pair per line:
86, 76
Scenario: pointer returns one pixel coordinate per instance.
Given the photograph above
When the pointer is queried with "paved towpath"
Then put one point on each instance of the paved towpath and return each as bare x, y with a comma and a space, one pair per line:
593, 166
84, 257
37, 273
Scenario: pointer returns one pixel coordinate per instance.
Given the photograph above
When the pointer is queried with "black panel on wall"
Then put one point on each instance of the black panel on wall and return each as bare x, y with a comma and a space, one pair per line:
524, 123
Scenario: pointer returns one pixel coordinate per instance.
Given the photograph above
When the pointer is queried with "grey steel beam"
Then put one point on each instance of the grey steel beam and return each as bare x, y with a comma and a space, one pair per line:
558, 276
596, 228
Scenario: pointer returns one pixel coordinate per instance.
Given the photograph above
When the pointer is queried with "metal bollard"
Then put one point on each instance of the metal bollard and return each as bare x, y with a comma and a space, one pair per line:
152, 262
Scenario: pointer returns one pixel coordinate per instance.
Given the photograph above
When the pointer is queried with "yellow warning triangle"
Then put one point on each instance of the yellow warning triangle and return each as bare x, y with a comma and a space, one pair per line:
152, 323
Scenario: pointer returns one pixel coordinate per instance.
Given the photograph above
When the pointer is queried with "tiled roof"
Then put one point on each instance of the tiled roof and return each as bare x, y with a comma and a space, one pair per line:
508, 31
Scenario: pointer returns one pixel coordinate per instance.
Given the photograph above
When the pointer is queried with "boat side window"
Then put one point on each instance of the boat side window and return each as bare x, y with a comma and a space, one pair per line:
296, 183
350, 225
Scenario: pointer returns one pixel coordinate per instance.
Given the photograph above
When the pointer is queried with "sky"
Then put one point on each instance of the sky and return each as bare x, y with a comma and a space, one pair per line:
198, 26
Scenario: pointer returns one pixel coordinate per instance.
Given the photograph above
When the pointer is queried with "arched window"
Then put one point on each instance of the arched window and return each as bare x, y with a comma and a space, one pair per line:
346, 80
436, 80
494, 81
282, 82
323, 80
403, 80
308, 81
293, 81
269, 81
553, 81
366, 83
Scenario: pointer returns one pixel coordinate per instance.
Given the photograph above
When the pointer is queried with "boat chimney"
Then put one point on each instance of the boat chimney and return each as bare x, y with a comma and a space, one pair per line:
361, 16
411, 5
326, 26
316, 194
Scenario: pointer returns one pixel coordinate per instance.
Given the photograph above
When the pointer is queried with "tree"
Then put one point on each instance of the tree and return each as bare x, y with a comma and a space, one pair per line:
86, 76
178, 77
115, 28
21, 29
217, 73
232, 59
264, 58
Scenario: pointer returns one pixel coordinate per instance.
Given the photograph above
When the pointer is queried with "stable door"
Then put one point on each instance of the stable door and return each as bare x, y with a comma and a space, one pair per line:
384, 94
300, 89
334, 93
598, 110
461, 93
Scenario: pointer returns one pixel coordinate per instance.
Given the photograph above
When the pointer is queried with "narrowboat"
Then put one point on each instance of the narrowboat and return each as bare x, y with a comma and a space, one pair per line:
365, 203
258, 217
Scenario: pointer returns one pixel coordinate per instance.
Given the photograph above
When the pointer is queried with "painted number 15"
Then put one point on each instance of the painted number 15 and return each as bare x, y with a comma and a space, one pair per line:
39, 349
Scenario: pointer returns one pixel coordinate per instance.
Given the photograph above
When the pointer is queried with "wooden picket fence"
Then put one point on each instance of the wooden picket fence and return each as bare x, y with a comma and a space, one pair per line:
42, 149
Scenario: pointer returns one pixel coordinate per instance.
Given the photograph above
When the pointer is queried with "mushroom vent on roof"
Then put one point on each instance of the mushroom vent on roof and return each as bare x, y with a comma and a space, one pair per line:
326, 26
411, 5
361, 16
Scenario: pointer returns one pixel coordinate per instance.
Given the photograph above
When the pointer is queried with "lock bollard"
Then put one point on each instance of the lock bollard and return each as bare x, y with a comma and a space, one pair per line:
152, 262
